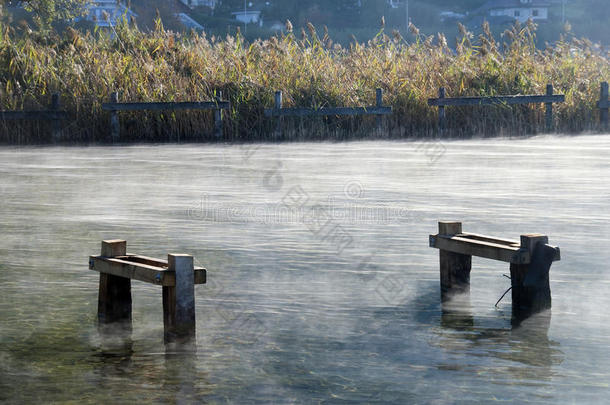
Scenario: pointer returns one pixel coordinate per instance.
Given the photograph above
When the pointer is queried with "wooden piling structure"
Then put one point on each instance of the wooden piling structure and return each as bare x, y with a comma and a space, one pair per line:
530, 261
114, 299
441, 112
278, 106
115, 125
177, 276
379, 104
603, 105
218, 117
548, 107
56, 126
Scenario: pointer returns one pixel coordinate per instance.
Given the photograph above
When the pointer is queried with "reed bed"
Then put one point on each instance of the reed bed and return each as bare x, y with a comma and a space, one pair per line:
310, 70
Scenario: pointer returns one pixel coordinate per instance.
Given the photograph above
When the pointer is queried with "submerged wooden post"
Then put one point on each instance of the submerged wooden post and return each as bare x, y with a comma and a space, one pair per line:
379, 103
115, 126
218, 117
455, 267
441, 112
114, 301
179, 301
55, 105
603, 105
278, 106
549, 109
531, 290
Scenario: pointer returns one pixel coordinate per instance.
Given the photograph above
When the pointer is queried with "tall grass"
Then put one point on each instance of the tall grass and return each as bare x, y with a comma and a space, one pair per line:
307, 67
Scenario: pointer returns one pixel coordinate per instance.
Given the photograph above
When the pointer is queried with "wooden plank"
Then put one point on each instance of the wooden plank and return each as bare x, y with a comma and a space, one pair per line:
154, 274
557, 98
491, 239
181, 300
33, 115
174, 106
304, 112
114, 247
465, 246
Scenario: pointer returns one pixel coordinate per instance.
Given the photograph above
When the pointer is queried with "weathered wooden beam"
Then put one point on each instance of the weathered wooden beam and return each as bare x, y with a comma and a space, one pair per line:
174, 106
548, 106
304, 112
115, 124
454, 267
114, 299
33, 115
493, 100
379, 104
603, 104
141, 268
218, 117
179, 301
56, 126
441, 112
530, 282
462, 244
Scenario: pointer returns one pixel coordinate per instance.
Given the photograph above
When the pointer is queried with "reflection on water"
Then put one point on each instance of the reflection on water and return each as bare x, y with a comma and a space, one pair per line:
321, 285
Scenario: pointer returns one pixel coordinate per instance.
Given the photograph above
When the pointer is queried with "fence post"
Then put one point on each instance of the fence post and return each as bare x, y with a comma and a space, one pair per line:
603, 105
218, 116
379, 103
179, 301
441, 112
278, 106
115, 126
56, 129
114, 301
549, 109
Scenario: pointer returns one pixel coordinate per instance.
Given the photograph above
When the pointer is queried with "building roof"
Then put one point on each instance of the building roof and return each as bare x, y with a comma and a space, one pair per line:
497, 4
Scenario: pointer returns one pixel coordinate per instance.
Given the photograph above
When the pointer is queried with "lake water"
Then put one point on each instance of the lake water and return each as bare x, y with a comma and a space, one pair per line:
321, 285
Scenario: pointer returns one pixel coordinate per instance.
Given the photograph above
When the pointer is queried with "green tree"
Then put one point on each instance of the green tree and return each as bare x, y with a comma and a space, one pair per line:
47, 11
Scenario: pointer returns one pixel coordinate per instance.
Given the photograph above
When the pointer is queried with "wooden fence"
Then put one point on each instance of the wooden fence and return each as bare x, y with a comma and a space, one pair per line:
547, 99
56, 115
114, 107
379, 109
53, 114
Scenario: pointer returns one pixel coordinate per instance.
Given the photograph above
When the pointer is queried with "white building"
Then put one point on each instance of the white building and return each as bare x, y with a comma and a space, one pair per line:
520, 10
200, 3
107, 13
248, 17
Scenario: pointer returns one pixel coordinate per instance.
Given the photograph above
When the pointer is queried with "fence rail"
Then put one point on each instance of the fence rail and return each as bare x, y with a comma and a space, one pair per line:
279, 111
114, 107
548, 99
53, 114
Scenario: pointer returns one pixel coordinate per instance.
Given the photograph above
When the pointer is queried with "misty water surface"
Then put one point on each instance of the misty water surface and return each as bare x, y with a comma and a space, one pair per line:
321, 285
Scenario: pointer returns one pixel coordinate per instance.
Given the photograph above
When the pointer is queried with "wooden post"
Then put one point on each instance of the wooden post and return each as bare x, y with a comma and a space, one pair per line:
115, 126
218, 117
278, 106
455, 267
55, 105
114, 302
379, 103
603, 101
528, 299
549, 109
441, 112
179, 301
